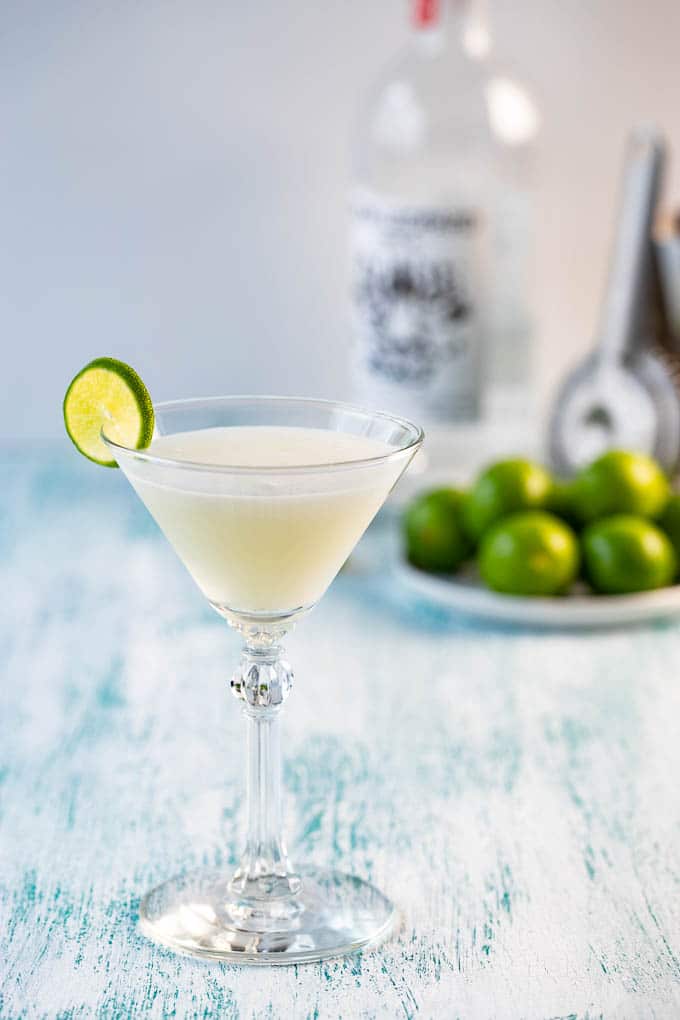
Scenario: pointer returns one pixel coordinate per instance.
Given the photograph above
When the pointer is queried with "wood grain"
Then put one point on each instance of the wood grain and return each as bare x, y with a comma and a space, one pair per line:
516, 793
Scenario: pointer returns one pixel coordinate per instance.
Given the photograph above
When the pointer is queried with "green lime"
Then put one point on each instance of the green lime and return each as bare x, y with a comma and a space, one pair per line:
530, 553
434, 537
620, 482
669, 522
504, 488
625, 553
108, 394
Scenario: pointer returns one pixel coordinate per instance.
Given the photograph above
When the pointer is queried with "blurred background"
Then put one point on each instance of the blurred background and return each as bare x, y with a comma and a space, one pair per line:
175, 180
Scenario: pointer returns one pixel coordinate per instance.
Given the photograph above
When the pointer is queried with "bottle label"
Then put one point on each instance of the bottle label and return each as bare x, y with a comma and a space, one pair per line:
414, 271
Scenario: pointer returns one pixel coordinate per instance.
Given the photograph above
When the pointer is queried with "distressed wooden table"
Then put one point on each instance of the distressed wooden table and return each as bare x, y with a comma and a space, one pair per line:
516, 793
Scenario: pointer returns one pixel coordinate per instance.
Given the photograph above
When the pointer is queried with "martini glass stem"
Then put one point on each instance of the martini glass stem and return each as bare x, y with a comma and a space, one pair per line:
265, 855
262, 683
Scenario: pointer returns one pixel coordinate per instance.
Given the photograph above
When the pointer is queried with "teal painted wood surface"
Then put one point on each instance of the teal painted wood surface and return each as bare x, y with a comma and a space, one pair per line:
516, 793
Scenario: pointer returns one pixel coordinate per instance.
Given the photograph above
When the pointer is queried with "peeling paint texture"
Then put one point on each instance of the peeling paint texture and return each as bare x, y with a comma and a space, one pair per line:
516, 793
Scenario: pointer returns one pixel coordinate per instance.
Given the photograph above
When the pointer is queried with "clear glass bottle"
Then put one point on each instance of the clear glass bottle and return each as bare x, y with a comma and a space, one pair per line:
438, 227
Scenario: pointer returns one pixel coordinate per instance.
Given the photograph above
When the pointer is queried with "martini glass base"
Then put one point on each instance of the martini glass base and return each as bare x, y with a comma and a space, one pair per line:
333, 914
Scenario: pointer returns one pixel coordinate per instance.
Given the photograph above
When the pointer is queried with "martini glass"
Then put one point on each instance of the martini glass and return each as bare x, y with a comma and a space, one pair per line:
263, 499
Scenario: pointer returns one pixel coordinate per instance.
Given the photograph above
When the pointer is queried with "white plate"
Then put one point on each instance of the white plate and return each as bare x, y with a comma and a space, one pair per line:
466, 594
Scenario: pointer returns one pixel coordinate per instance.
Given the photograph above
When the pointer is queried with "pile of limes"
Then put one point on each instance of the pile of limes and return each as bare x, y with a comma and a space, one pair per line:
616, 525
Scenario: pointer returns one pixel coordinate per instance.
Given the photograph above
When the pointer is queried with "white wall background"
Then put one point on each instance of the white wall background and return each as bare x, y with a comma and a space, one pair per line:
173, 177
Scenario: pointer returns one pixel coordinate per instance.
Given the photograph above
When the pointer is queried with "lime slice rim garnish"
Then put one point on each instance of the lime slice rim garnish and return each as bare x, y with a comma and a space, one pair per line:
131, 386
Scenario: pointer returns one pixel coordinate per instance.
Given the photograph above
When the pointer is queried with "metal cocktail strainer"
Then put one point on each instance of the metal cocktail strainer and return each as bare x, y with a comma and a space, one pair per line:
625, 394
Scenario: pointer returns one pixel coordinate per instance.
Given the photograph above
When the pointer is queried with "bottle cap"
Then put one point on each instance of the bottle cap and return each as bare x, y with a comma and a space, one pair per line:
426, 13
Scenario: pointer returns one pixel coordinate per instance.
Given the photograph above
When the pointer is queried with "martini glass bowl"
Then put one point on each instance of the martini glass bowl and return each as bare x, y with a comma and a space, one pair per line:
263, 543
